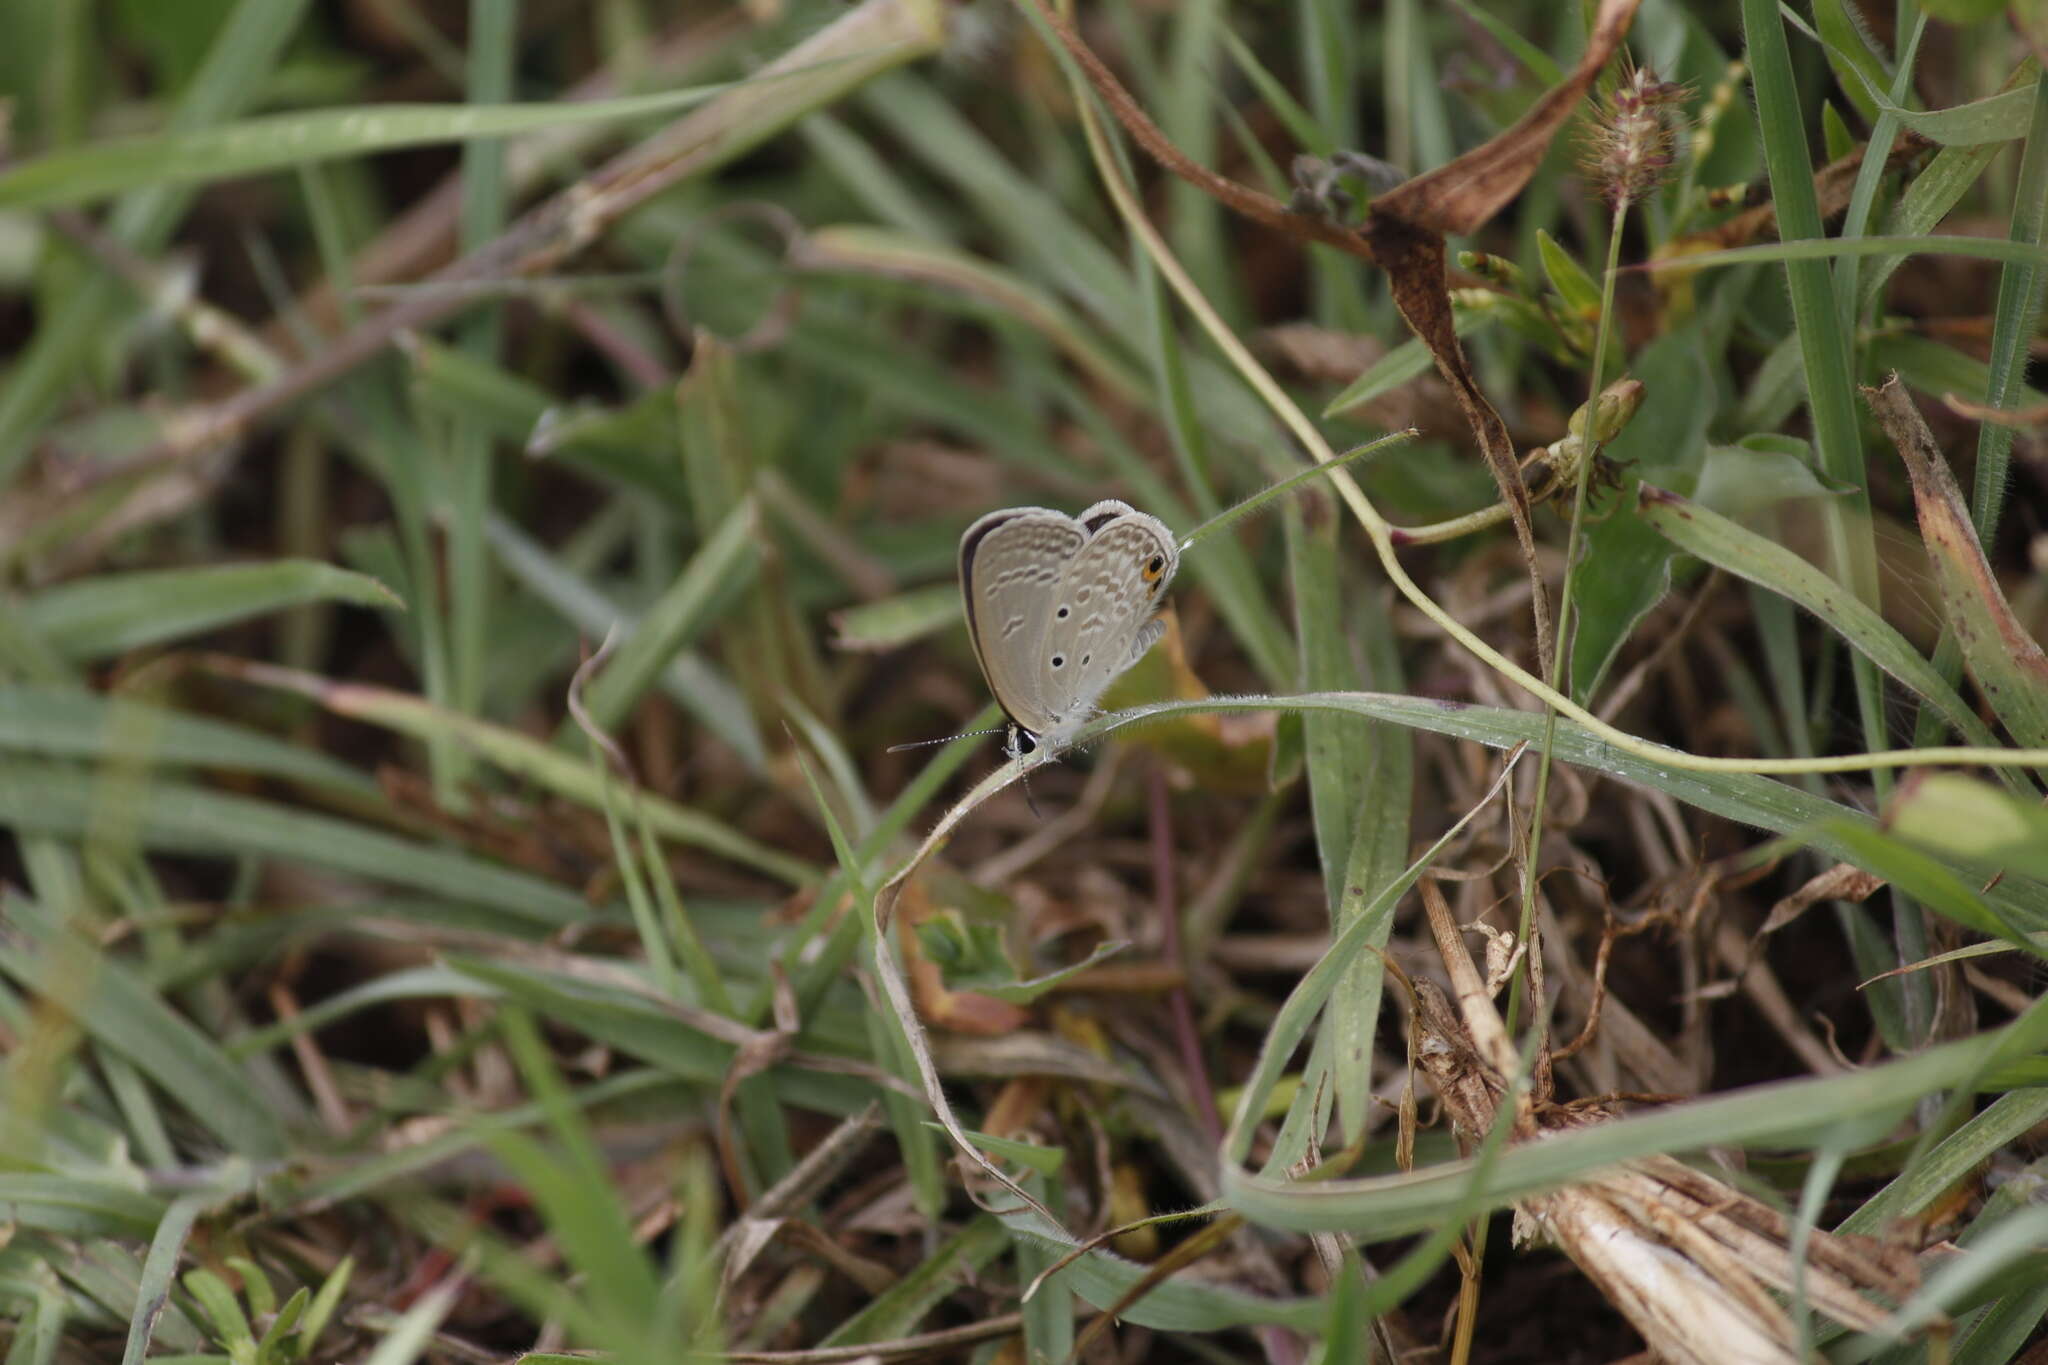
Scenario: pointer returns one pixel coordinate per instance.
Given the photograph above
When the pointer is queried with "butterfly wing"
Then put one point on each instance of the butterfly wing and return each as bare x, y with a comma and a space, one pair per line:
1101, 620
1011, 564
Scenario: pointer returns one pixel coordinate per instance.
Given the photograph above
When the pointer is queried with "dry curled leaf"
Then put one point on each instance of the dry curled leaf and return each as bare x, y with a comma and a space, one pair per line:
2004, 659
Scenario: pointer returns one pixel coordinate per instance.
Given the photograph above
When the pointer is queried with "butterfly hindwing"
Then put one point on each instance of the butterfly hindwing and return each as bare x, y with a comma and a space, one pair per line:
1102, 615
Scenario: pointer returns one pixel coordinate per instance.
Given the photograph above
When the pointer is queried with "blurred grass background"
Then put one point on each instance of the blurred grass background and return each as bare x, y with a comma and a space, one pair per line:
369, 363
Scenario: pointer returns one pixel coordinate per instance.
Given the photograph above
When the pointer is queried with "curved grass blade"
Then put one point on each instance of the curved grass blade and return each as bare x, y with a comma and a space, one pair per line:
545, 765
280, 142
178, 817
1747, 798
65, 722
77, 1206
1392, 1206
106, 614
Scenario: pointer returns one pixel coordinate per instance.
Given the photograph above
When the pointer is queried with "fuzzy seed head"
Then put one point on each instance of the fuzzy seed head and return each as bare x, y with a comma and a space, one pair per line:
1629, 149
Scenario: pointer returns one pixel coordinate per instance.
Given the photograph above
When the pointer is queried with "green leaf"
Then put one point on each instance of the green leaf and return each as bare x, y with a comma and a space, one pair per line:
1024, 992
107, 614
1853, 56
897, 1311
897, 621
78, 1206
573, 1189
321, 1310
412, 1335
1182, 1303
1972, 821
1347, 1336
1383, 1207
1033, 1156
153, 1291
547, 766
1626, 569
270, 1348
1951, 1159
1937, 370
1579, 290
1409, 360
1824, 343
1742, 480
224, 1311
1995, 118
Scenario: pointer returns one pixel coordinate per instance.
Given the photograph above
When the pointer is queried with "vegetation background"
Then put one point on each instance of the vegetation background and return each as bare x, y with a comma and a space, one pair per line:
388, 974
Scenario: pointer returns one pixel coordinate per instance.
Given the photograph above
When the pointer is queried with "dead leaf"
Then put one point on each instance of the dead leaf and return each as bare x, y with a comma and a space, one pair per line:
1842, 882
2004, 659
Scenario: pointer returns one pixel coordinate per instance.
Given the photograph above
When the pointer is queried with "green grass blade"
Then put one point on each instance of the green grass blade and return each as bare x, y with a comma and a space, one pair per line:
176, 817
72, 723
159, 1270
519, 755
2015, 317
280, 142
1951, 1160
107, 614
120, 1012
724, 562
238, 63
1747, 798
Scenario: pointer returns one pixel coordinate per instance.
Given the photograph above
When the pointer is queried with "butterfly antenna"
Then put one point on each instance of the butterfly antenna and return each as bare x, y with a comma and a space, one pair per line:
943, 739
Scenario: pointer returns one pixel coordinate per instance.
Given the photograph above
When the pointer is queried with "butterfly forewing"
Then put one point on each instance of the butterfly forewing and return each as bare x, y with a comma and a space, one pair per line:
1011, 563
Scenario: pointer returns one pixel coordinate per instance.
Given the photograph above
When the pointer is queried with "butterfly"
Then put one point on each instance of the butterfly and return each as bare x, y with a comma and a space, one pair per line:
1059, 606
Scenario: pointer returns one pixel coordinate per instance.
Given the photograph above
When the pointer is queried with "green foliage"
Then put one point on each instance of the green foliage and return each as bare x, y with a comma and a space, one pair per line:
382, 975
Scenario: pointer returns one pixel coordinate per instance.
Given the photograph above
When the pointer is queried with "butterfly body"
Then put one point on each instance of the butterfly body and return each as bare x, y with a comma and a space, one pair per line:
1058, 606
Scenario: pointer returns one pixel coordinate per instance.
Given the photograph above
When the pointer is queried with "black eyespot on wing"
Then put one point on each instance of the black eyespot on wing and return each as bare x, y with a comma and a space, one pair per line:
1158, 564
1063, 613
1059, 661
1085, 658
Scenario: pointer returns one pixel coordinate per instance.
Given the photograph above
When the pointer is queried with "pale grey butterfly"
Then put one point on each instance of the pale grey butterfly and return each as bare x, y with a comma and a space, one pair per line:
1059, 606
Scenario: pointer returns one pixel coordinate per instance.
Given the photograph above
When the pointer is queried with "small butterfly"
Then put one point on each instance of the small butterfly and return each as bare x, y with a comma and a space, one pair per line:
1059, 606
